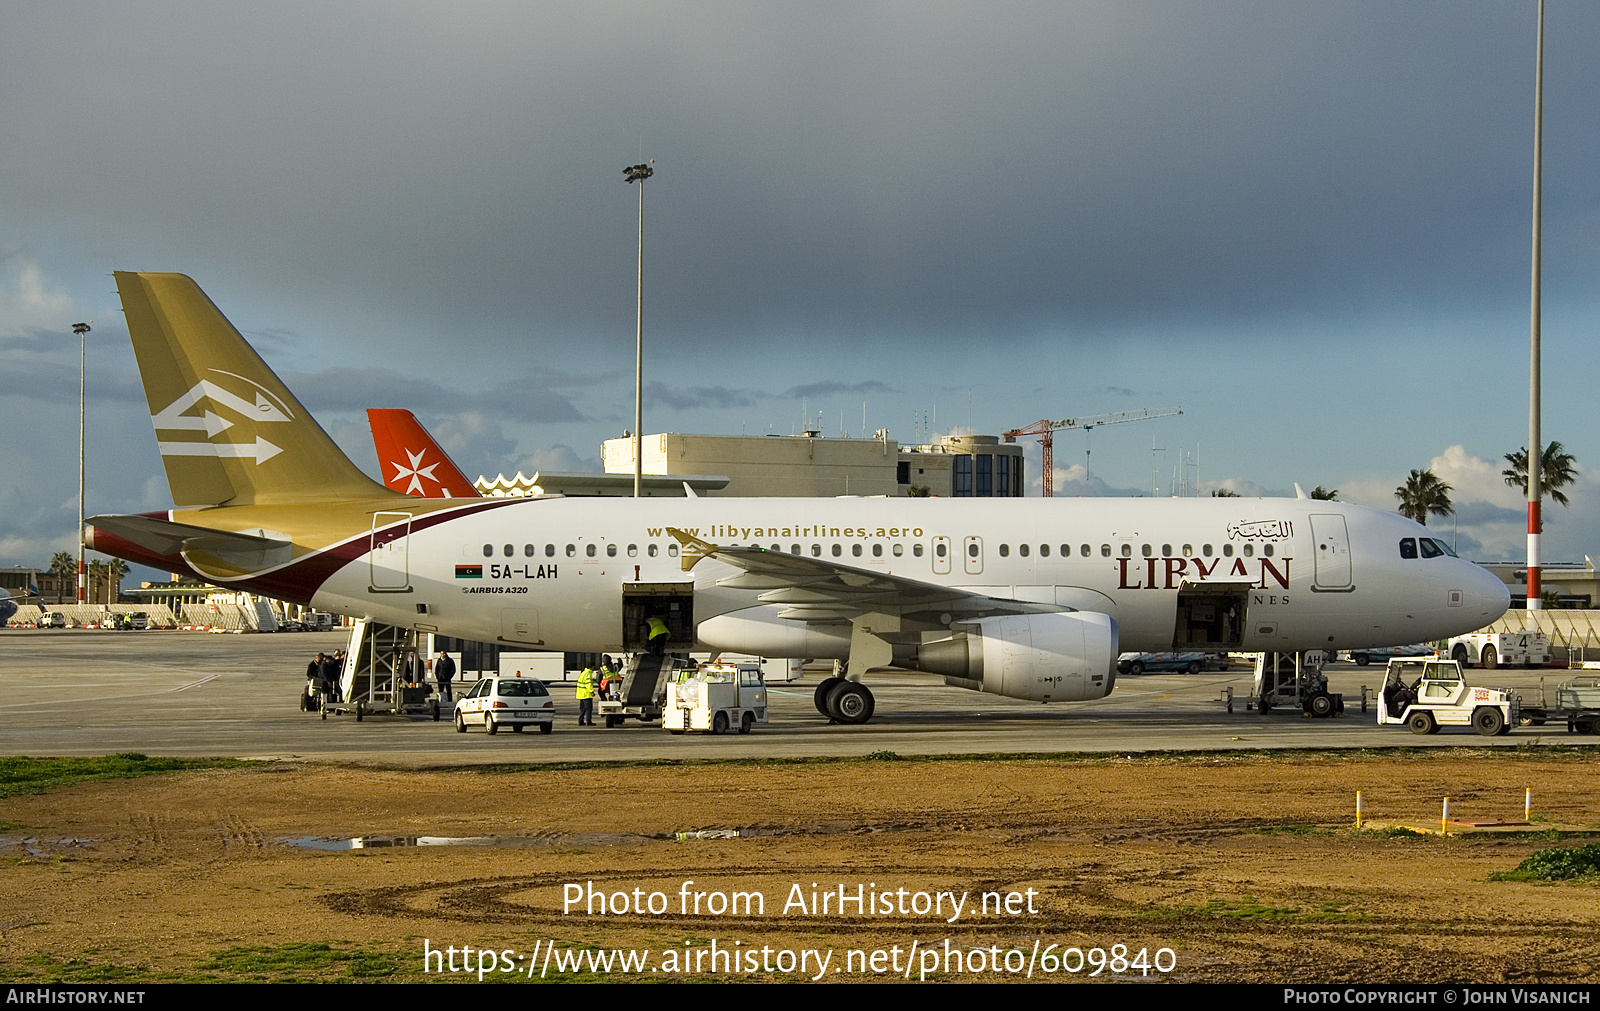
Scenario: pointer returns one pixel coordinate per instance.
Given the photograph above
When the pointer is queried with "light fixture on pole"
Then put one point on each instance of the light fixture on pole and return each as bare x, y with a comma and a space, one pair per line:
638, 174
82, 330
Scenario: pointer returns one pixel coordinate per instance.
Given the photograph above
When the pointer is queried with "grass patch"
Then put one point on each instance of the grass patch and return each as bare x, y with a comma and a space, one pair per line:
81, 970
1397, 832
1293, 829
1558, 863
22, 775
1237, 757
883, 756
300, 963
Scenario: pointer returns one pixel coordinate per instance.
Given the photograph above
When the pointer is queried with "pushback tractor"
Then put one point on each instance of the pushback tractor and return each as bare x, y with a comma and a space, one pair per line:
1425, 695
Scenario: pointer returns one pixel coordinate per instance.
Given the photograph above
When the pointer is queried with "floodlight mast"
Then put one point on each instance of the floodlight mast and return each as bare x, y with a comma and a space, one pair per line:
82, 330
1535, 451
638, 174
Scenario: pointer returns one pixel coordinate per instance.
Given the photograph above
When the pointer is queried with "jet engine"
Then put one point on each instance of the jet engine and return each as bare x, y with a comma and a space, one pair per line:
1063, 657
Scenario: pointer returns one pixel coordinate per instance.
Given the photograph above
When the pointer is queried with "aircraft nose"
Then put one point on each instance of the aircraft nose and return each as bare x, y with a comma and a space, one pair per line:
1486, 594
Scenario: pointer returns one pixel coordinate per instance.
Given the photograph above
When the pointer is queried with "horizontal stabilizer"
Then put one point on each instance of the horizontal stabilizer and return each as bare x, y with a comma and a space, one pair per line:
165, 537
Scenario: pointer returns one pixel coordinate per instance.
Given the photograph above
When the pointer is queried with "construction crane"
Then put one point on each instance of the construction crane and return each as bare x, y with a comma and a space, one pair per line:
1046, 430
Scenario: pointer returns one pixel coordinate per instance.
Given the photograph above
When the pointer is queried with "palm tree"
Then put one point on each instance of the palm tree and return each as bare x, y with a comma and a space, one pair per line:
115, 570
1424, 493
1325, 494
97, 580
1556, 471
63, 564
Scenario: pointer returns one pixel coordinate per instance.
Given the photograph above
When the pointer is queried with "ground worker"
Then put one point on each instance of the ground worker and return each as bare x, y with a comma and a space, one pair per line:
586, 697
659, 634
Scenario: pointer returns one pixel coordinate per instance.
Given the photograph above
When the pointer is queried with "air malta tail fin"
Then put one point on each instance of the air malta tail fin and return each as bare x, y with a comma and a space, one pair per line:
230, 433
411, 461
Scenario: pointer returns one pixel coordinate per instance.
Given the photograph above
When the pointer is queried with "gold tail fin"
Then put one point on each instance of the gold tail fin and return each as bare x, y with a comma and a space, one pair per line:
229, 431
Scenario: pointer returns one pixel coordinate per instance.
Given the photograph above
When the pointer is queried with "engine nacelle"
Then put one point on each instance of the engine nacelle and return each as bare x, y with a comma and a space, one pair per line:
1065, 657
760, 632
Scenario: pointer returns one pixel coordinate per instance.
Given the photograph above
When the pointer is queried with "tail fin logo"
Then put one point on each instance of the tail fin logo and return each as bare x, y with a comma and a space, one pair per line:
416, 472
264, 407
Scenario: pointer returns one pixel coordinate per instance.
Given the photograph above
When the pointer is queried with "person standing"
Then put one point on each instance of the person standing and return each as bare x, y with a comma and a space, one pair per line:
332, 673
659, 634
444, 671
585, 696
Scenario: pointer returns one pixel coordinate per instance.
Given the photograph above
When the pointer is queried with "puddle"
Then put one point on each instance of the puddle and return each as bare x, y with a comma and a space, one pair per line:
372, 842
550, 841
31, 844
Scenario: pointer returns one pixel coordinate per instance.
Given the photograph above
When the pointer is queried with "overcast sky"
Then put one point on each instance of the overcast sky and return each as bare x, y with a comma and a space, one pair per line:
1306, 224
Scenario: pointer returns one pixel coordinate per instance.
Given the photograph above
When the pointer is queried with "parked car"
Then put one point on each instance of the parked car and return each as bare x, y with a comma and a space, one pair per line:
1382, 654
1138, 663
51, 619
496, 702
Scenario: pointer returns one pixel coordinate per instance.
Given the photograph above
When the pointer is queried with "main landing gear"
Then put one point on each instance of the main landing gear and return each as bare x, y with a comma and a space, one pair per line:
844, 701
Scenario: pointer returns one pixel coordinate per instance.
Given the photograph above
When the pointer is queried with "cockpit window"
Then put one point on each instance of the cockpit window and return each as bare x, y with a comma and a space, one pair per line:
1408, 547
1432, 548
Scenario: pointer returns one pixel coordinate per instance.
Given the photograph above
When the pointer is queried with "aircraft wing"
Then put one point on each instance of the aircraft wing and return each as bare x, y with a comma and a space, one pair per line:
819, 590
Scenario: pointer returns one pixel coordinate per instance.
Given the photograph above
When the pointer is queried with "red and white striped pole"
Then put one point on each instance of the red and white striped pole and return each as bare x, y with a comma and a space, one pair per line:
1535, 485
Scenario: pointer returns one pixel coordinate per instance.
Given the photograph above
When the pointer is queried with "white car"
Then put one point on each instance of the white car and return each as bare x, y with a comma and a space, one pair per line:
496, 702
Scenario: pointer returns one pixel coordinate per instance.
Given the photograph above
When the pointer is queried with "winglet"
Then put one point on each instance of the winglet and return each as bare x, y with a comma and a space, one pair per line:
694, 548
1299, 492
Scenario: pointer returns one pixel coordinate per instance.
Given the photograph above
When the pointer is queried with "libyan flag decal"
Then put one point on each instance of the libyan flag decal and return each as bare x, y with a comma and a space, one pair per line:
469, 572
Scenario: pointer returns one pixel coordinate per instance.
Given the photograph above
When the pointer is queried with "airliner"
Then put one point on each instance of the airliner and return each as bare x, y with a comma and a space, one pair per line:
1027, 598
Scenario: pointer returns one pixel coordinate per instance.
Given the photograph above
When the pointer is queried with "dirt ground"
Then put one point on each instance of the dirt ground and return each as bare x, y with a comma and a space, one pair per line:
1245, 869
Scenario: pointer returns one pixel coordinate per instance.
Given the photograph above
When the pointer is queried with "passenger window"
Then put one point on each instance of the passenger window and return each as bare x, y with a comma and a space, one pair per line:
898, 550
877, 551
509, 550
916, 550
1022, 549
1206, 550
1227, 551
816, 551
972, 550
1266, 549
938, 549
1249, 550
528, 550
611, 551
837, 550
794, 549
589, 550
855, 550
1127, 551
1044, 551
1166, 551
488, 551
1188, 551
633, 551
1408, 547
1105, 550
549, 550
1144, 549
777, 549
572, 550
651, 550
672, 551
1005, 551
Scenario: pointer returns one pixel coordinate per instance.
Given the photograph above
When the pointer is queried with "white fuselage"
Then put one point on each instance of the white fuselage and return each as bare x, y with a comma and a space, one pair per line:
1278, 574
